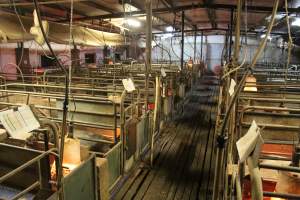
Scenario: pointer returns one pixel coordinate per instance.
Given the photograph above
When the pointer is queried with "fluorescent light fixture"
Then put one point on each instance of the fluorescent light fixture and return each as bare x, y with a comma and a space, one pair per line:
296, 22
129, 8
169, 29
264, 35
133, 22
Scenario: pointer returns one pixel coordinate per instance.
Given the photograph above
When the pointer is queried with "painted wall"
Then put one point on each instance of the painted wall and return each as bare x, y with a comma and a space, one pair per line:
212, 50
7, 54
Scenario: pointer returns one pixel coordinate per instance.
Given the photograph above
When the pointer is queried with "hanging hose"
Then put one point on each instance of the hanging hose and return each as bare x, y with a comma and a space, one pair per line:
222, 138
237, 68
290, 44
65, 106
256, 56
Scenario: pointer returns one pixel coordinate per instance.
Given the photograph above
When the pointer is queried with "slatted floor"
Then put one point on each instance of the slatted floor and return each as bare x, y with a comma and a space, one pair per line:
184, 167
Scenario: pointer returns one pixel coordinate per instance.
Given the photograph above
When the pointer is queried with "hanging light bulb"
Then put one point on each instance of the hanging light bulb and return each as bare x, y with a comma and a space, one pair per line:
169, 28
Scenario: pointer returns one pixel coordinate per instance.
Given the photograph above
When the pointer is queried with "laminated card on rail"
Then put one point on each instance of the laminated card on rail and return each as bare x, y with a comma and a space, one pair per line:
19, 123
128, 84
163, 72
232, 86
250, 142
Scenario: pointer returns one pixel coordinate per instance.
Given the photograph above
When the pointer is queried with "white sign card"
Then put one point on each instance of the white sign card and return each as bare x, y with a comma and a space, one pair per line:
163, 72
232, 86
19, 123
250, 142
128, 84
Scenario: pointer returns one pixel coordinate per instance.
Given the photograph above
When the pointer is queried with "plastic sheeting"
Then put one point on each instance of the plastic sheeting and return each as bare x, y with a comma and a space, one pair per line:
12, 31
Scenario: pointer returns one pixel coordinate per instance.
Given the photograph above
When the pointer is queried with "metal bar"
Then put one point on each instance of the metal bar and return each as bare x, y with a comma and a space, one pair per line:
95, 140
31, 187
281, 168
182, 40
282, 195
112, 149
231, 31
195, 44
59, 109
220, 29
189, 7
15, 171
201, 53
148, 8
41, 3
115, 124
237, 32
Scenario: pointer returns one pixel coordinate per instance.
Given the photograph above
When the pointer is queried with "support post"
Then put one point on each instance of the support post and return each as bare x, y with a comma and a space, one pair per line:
201, 53
182, 40
237, 32
195, 44
148, 9
148, 47
231, 31
223, 136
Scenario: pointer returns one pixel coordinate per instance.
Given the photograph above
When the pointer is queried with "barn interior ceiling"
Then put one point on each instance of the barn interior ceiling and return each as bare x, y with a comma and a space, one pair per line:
128, 16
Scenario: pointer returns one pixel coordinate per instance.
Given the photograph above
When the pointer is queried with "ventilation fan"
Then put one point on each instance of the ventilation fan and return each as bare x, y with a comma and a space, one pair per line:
36, 29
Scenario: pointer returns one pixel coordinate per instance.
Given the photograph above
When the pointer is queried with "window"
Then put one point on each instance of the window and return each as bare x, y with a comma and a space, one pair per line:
47, 61
90, 58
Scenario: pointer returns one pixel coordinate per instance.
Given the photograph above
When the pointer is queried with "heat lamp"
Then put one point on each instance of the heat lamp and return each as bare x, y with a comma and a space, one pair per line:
250, 85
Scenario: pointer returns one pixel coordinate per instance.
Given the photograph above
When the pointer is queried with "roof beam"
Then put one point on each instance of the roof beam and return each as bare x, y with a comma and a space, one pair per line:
222, 30
98, 6
191, 7
64, 8
133, 3
211, 13
169, 4
41, 3
30, 11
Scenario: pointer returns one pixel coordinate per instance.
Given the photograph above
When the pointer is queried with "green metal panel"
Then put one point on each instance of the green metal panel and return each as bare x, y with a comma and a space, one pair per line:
114, 164
94, 112
143, 129
81, 184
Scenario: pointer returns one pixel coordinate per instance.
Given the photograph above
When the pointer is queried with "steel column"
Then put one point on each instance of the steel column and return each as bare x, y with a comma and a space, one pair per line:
231, 31
195, 44
182, 40
201, 53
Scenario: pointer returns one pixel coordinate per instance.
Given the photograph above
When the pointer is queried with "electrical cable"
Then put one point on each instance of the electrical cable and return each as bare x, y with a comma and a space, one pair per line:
237, 68
163, 49
22, 46
173, 49
65, 105
174, 23
222, 138
71, 41
243, 80
290, 44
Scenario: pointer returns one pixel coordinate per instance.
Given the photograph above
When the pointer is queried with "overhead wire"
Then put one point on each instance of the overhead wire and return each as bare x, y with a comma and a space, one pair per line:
222, 138
65, 104
71, 41
238, 67
256, 56
290, 44
22, 46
